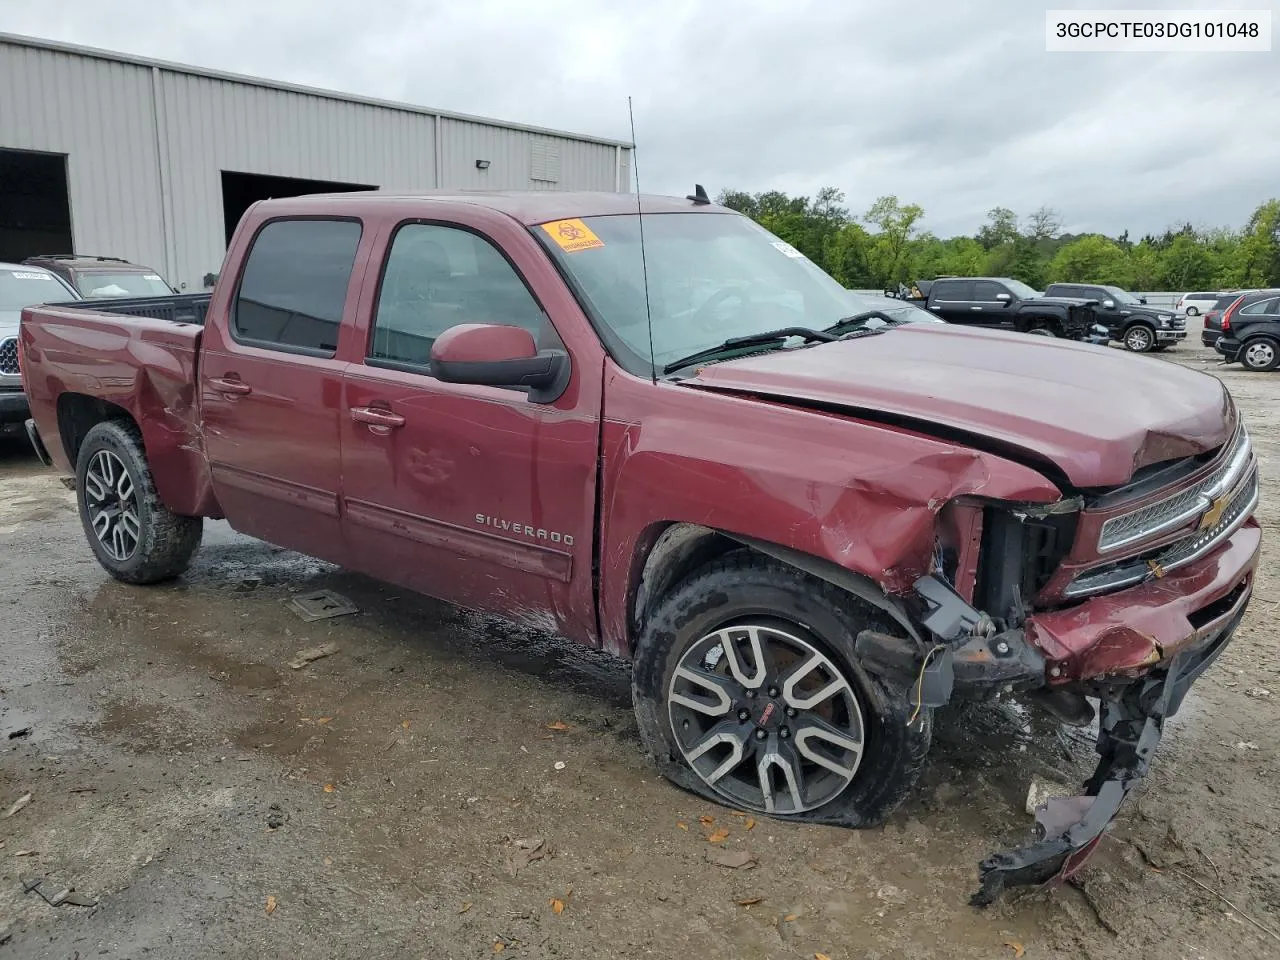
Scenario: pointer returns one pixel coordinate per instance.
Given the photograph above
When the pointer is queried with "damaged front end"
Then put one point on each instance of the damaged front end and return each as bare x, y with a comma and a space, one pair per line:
996, 621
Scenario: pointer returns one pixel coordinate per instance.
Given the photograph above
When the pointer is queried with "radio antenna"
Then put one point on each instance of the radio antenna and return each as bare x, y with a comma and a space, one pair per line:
644, 266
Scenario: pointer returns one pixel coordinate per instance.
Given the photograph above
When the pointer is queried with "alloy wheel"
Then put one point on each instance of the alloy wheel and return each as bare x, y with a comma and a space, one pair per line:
1138, 339
112, 502
1259, 356
766, 718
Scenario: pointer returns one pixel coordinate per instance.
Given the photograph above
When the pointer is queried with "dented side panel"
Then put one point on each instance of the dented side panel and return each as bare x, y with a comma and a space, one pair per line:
147, 367
862, 495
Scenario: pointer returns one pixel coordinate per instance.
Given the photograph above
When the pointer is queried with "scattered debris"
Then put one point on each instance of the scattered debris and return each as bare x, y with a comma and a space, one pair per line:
322, 605
329, 788
1246, 745
1040, 791
821, 956
525, 852
558, 725
66, 895
19, 733
560, 764
271, 906
26, 853
718, 836
1205, 887
18, 804
682, 825
276, 817
557, 905
1017, 948
750, 823
1258, 693
313, 653
464, 908
706, 821
749, 901
791, 918
733, 859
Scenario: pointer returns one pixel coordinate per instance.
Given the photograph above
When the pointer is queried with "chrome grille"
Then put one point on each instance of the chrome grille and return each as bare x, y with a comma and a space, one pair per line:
9, 356
1183, 506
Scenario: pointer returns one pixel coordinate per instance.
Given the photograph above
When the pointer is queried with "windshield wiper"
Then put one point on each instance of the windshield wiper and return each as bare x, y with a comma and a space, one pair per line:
845, 322
751, 340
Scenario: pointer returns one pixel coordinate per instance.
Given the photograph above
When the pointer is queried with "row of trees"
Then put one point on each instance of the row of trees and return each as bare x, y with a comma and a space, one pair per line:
886, 245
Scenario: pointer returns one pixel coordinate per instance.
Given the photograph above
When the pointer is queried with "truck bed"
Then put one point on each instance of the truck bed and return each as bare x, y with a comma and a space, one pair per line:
138, 355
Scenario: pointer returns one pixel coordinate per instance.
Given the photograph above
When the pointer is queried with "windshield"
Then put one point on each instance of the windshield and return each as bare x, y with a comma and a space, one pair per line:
1122, 296
711, 277
1022, 291
122, 285
26, 288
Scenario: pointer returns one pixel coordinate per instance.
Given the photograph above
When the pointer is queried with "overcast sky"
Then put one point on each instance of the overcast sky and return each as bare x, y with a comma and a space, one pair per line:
955, 106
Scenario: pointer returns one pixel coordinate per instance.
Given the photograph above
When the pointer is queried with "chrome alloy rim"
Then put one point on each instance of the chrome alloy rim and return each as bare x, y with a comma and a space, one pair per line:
766, 719
1138, 339
1260, 354
112, 502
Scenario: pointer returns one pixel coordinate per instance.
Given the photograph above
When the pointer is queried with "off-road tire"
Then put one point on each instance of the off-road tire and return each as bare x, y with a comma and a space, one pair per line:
745, 587
1044, 328
1259, 354
1139, 338
166, 541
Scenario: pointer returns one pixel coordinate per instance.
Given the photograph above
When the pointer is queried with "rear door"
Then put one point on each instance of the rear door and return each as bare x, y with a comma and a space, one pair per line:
271, 383
952, 300
473, 494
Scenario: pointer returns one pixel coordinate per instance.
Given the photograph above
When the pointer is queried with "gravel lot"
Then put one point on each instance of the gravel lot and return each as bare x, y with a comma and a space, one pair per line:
388, 801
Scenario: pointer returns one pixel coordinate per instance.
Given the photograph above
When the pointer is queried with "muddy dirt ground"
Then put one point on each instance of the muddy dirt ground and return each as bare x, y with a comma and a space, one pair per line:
381, 802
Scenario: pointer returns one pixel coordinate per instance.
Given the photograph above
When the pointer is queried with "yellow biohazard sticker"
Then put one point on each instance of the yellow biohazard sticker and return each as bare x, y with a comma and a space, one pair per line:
573, 236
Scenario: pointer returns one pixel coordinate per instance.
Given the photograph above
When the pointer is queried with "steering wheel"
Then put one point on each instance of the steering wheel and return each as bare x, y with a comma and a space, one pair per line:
703, 313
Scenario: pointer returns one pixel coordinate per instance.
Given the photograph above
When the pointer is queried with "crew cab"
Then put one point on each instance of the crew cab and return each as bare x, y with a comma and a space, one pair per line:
805, 530
1128, 319
1003, 302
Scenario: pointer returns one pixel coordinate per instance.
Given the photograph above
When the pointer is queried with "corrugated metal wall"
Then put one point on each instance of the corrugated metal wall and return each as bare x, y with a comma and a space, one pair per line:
146, 146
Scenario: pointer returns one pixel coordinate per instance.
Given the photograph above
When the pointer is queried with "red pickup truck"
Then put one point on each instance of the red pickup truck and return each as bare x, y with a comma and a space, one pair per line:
807, 530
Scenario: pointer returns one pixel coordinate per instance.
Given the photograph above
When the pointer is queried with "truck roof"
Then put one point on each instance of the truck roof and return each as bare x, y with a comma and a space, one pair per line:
527, 206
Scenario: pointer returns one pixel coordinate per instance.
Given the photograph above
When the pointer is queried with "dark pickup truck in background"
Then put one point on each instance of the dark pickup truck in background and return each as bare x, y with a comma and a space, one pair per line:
1128, 319
1001, 302
805, 537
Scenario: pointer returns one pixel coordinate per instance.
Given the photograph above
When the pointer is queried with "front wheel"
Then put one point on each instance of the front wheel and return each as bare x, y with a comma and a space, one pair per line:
1260, 354
1192, 312
135, 537
1139, 338
747, 693
1042, 329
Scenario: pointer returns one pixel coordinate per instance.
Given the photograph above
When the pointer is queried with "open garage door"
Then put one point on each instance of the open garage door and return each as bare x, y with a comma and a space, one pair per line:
35, 212
241, 190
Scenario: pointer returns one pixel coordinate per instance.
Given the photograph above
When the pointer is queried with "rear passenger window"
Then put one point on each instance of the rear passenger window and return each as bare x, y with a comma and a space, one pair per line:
437, 277
952, 290
295, 283
1262, 307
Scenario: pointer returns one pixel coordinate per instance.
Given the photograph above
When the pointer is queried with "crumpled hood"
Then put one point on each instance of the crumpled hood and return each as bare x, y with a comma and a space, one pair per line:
1096, 413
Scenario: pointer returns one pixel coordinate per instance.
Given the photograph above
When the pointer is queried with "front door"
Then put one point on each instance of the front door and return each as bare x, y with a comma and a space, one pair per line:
991, 312
271, 386
472, 494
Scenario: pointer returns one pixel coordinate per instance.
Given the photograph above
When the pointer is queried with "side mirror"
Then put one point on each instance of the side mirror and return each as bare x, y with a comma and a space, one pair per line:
1004, 298
1108, 304
1142, 300
499, 356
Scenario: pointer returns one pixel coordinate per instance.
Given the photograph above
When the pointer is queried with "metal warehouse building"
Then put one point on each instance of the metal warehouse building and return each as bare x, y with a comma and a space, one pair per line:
107, 154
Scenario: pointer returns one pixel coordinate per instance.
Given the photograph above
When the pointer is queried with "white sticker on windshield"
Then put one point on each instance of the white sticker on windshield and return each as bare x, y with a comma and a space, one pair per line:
152, 276
784, 247
30, 276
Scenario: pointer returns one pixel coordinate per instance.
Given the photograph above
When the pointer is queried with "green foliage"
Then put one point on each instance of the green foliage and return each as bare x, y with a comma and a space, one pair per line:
886, 246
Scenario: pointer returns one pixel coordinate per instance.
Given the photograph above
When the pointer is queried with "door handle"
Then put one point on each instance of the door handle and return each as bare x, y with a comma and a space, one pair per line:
975, 308
228, 385
376, 418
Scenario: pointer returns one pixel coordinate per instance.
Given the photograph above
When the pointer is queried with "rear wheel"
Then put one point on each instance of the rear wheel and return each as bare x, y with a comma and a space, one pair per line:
747, 693
1139, 338
135, 537
1260, 353
1193, 312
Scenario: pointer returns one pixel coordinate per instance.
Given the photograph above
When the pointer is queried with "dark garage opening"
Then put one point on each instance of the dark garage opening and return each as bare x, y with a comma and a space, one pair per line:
241, 190
35, 211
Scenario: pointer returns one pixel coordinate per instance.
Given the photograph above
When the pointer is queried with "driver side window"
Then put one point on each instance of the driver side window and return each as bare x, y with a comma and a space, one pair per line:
437, 277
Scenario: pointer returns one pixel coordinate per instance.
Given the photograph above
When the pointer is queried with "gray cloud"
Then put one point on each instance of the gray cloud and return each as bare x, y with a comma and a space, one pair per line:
956, 107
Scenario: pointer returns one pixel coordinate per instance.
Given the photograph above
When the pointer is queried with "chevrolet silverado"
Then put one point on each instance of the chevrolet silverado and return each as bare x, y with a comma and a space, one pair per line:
806, 530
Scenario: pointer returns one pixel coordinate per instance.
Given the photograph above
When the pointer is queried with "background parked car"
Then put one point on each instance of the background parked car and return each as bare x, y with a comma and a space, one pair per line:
1128, 319
1002, 302
20, 286
1251, 330
1194, 304
104, 276
1213, 317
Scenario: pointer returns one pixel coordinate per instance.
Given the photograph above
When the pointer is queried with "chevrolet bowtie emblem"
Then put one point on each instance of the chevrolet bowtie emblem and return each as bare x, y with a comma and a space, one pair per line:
1211, 516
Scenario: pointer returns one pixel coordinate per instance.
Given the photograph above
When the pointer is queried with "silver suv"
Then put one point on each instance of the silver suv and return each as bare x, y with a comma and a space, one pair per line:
21, 286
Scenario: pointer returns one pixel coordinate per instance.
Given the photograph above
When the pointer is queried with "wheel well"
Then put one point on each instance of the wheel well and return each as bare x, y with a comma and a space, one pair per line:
679, 549
1036, 323
78, 413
